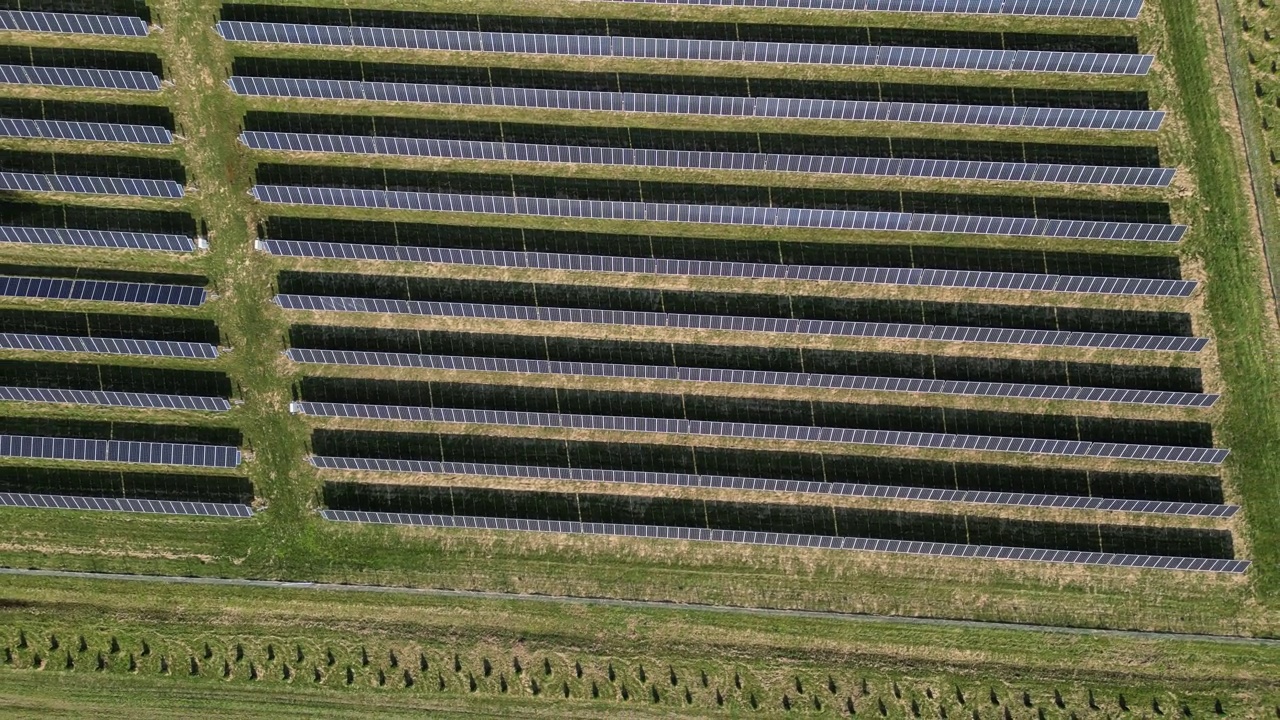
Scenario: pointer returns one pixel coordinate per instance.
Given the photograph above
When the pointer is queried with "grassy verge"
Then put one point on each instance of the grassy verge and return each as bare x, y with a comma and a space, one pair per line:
1236, 298
320, 649
1252, 58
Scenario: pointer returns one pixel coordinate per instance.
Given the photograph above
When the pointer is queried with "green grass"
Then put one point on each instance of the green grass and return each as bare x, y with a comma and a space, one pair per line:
1237, 298
288, 541
1250, 56
259, 632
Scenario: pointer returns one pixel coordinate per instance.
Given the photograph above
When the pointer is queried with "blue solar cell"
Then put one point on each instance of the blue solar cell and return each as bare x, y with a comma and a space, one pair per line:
714, 214
114, 399
72, 23
76, 237
79, 77
902, 547
118, 451
92, 131
1113, 9
859, 110
756, 484
750, 377
107, 346
906, 331
813, 164
685, 49
795, 433
137, 505
707, 268
101, 291
89, 185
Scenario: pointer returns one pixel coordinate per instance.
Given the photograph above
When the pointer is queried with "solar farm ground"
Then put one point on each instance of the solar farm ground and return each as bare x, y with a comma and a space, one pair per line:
1091, 636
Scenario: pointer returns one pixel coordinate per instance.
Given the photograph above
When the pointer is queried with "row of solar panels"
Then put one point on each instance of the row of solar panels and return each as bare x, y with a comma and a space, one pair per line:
118, 451
840, 328
751, 377
101, 291
107, 346
723, 482
708, 160
79, 77
1115, 9
98, 132
766, 431
72, 23
90, 185
763, 107
824, 542
154, 401
685, 49
137, 505
909, 277
75, 237
716, 214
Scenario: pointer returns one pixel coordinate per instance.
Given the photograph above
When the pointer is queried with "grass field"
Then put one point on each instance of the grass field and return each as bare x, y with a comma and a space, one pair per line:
924, 663
955, 668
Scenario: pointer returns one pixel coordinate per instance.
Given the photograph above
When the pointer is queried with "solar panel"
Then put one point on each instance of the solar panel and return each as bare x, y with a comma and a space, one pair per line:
766, 162
89, 185
72, 23
754, 484
107, 346
137, 505
911, 277
766, 431
101, 291
717, 214
1114, 9
763, 107
93, 131
107, 398
686, 49
118, 451
752, 377
751, 537
75, 237
841, 328
79, 77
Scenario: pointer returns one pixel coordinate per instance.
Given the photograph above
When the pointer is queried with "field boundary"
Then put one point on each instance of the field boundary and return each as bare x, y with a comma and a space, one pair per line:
639, 604
1264, 205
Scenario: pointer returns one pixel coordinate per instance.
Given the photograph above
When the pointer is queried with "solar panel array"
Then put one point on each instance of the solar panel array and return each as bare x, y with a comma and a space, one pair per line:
923, 277
98, 132
824, 542
718, 214
940, 168
75, 237
155, 401
688, 49
101, 291
138, 505
107, 346
72, 23
89, 185
752, 377
1114, 9
706, 160
118, 451
724, 482
767, 431
719, 106
79, 77
842, 328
